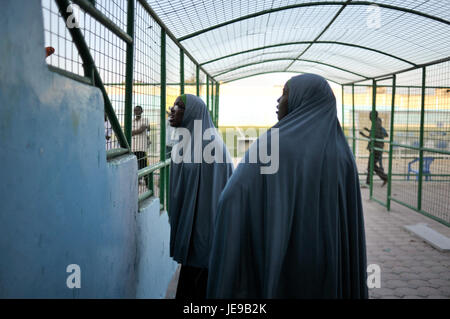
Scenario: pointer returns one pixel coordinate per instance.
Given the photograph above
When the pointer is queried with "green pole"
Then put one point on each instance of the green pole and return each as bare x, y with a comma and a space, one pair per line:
353, 120
343, 129
391, 141
198, 80
163, 116
207, 94
181, 71
129, 73
217, 103
372, 135
422, 120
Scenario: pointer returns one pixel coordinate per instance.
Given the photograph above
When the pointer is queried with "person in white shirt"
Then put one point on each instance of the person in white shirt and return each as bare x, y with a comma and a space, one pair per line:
139, 144
108, 134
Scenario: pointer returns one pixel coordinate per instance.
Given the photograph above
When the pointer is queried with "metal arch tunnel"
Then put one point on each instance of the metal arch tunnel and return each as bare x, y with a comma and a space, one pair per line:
147, 46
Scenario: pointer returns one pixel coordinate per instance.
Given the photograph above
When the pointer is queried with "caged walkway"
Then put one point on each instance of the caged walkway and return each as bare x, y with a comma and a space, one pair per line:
410, 268
388, 56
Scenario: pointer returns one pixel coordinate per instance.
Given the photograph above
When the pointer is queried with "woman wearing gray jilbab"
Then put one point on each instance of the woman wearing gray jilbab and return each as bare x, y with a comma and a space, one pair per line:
299, 232
196, 182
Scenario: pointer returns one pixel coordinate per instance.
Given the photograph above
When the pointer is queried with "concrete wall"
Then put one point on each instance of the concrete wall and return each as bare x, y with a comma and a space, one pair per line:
61, 202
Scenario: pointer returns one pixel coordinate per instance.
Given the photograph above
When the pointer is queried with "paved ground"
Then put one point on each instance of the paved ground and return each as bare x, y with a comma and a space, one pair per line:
410, 268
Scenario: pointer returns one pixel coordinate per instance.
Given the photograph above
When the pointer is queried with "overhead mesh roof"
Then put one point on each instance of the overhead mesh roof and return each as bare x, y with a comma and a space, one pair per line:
344, 41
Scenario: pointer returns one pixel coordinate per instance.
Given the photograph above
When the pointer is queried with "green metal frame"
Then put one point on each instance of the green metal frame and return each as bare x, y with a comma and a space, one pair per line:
308, 42
311, 4
129, 73
181, 71
289, 59
90, 71
92, 77
321, 33
421, 149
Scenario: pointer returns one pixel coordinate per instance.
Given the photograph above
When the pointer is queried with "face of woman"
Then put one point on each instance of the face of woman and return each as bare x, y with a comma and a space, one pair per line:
176, 113
283, 103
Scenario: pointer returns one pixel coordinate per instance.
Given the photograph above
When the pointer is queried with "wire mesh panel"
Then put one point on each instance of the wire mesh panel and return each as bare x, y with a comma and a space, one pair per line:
381, 144
202, 85
406, 136
57, 36
347, 114
107, 50
436, 162
146, 94
363, 107
172, 72
190, 76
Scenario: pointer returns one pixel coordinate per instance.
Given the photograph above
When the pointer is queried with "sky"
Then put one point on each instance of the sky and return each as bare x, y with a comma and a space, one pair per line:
253, 101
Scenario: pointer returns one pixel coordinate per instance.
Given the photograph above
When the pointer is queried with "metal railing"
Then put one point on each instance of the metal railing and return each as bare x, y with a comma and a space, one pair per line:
415, 105
130, 67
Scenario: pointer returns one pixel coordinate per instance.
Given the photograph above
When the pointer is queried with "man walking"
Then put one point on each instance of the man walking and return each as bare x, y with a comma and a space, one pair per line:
380, 134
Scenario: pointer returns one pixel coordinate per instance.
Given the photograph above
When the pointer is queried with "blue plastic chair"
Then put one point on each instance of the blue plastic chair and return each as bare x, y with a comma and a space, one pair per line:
426, 168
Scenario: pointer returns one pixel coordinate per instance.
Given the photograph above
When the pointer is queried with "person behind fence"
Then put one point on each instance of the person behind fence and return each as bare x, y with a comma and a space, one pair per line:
298, 232
139, 143
195, 185
380, 134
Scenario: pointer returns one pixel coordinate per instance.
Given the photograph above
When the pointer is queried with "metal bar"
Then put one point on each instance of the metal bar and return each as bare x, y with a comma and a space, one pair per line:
152, 168
129, 73
321, 33
91, 71
391, 147
353, 120
308, 42
104, 20
289, 59
162, 142
153, 14
407, 70
299, 5
372, 136
181, 71
198, 80
342, 107
421, 212
207, 94
70, 75
269, 72
217, 103
422, 120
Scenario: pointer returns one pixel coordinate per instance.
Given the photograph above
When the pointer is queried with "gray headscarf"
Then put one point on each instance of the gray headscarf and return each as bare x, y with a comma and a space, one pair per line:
195, 185
298, 233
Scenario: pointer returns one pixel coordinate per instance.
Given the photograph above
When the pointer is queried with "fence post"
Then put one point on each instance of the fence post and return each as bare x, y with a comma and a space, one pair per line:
353, 120
217, 103
422, 120
198, 80
342, 116
162, 150
391, 141
129, 73
207, 93
181, 71
372, 135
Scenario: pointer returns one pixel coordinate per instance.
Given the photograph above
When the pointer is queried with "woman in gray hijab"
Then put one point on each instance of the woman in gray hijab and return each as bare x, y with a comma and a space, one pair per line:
299, 232
200, 168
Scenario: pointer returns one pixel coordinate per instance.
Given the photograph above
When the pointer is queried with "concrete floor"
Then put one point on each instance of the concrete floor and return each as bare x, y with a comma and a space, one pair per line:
410, 268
